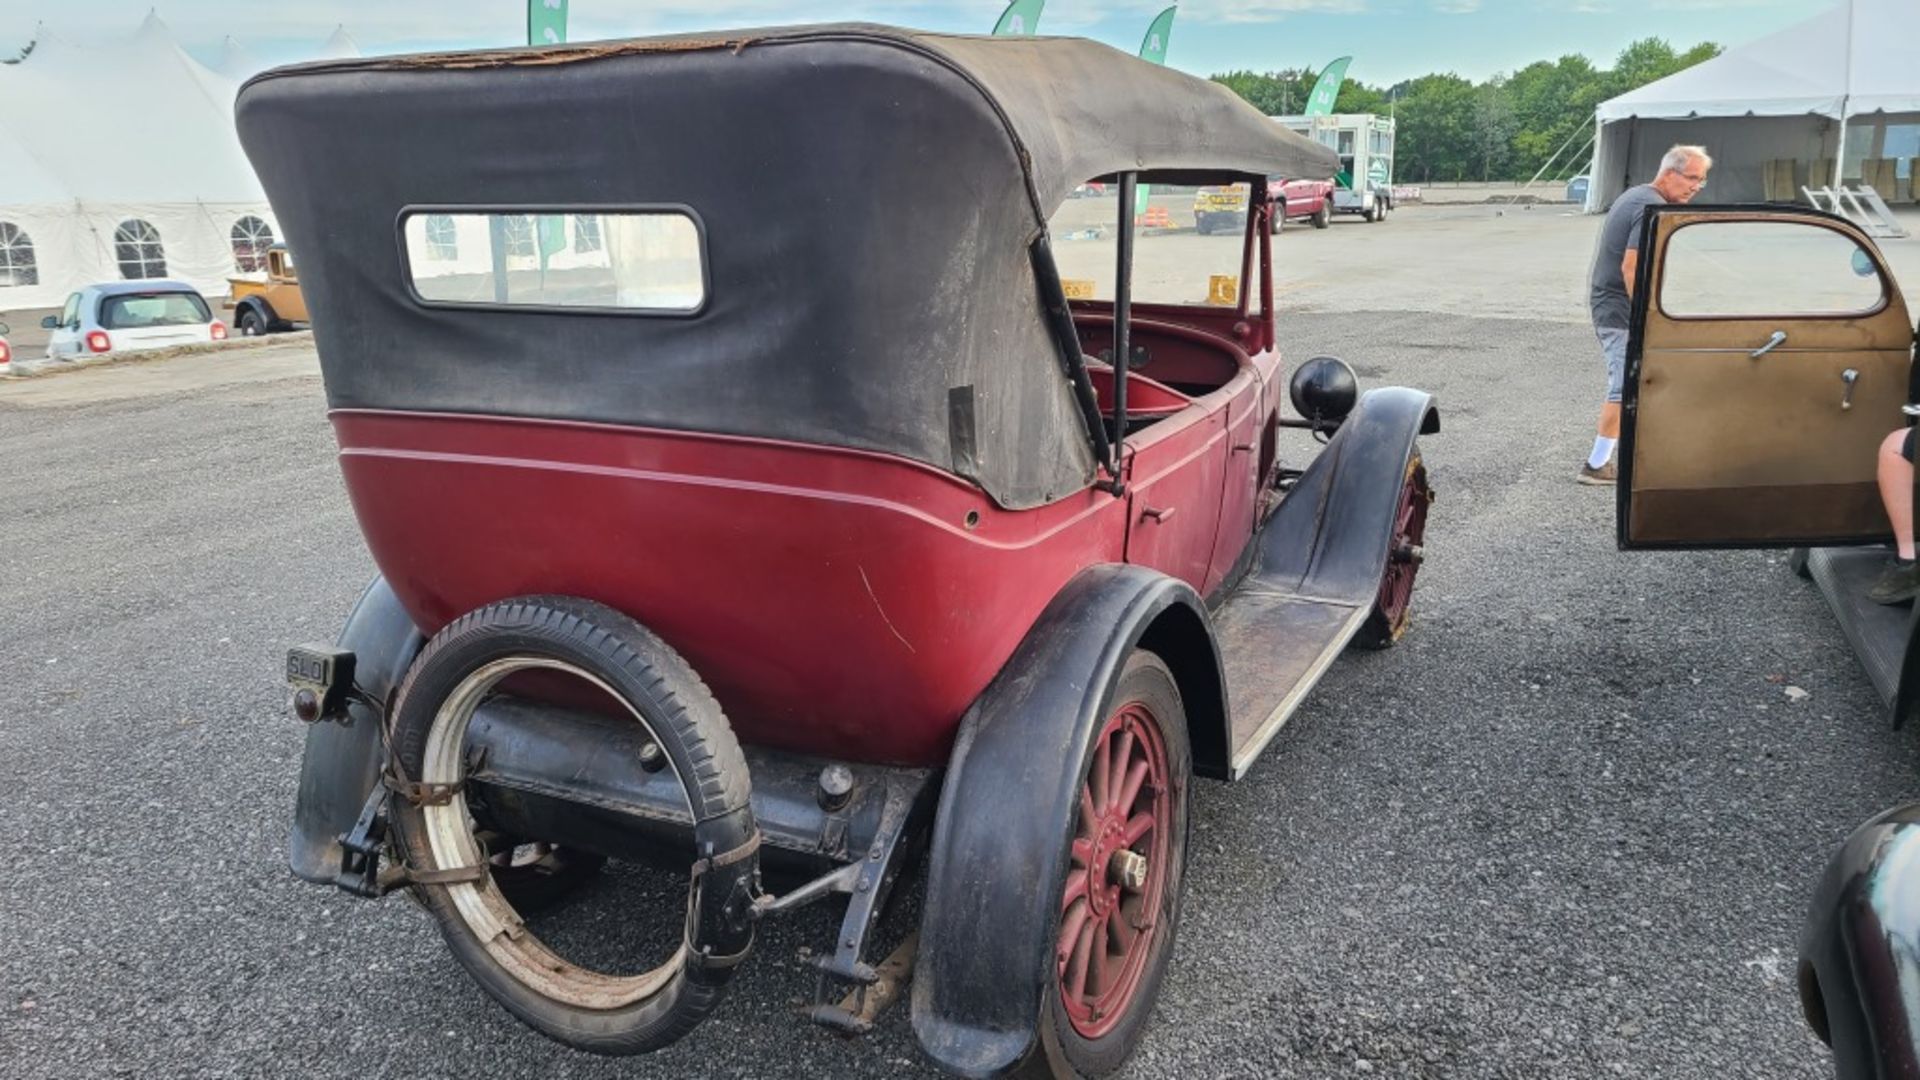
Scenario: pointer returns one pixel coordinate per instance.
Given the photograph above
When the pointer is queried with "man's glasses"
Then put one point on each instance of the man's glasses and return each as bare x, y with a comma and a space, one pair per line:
1696, 181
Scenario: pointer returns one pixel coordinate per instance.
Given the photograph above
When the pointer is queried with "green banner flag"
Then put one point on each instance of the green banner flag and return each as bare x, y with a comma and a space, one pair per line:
546, 22
1021, 17
552, 238
1153, 49
1327, 89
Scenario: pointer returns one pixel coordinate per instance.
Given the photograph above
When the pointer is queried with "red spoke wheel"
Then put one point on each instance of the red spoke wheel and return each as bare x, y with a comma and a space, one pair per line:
1120, 900
1393, 607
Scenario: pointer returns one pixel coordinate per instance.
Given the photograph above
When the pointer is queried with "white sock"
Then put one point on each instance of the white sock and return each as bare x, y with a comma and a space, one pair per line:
1602, 450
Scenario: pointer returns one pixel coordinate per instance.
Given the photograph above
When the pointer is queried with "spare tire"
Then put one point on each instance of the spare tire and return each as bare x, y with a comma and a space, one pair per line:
588, 1010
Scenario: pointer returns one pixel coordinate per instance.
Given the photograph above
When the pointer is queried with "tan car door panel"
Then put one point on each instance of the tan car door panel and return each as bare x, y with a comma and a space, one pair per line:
1725, 447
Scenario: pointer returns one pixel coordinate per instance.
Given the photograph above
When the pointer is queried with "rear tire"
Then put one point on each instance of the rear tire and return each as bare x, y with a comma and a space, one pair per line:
1091, 1033
1323, 217
587, 1010
249, 323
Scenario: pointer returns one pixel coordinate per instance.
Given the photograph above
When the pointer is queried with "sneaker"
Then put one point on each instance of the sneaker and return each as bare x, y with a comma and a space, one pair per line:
1604, 475
1899, 583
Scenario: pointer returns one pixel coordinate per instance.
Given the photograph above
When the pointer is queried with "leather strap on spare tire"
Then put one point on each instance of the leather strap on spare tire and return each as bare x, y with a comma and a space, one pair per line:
584, 1009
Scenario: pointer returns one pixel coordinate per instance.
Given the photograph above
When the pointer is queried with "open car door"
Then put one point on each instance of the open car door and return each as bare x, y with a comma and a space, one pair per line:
1770, 355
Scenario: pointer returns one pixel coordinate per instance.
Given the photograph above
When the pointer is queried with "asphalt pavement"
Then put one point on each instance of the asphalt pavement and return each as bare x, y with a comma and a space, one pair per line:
1566, 828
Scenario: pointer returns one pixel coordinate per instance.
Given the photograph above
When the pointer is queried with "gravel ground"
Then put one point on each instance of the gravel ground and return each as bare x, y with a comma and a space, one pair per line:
1567, 828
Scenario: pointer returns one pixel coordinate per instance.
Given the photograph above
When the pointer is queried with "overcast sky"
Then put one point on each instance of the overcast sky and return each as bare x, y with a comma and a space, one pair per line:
1389, 39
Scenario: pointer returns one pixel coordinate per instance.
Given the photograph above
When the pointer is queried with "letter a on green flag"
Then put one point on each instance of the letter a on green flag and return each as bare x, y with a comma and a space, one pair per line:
1153, 49
546, 22
1327, 88
1021, 17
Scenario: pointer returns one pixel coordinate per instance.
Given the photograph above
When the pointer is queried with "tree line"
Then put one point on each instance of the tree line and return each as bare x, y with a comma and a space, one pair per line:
1506, 128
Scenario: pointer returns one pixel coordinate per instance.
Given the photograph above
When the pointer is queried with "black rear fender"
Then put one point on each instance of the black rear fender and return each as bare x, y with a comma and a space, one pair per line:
999, 850
342, 762
259, 307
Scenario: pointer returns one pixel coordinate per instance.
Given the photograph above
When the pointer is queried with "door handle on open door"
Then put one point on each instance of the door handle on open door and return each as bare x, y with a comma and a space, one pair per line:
1849, 377
1778, 339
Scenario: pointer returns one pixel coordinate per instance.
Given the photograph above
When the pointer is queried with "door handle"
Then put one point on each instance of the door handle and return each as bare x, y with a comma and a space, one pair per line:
1158, 514
1848, 377
1778, 339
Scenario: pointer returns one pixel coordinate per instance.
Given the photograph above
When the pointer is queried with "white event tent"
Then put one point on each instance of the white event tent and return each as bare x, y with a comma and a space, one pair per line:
1815, 101
121, 161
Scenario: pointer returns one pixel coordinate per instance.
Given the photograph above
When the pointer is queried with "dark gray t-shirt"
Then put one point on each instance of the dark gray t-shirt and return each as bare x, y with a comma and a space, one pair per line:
1607, 291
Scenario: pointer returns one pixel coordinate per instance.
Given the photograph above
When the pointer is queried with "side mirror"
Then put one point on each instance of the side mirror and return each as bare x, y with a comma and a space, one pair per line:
51, 322
4, 329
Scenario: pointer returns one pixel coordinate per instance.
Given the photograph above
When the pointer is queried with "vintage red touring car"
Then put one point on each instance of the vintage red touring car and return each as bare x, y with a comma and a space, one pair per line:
908, 510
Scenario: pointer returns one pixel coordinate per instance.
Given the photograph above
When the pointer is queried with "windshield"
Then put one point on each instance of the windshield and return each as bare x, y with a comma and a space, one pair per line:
135, 310
1188, 243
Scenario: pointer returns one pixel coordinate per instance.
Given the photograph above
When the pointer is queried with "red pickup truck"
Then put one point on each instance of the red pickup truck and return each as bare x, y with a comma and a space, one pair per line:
1310, 199
1225, 206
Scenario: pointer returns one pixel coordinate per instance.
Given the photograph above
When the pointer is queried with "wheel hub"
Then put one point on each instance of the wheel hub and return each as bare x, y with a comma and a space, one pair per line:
1129, 868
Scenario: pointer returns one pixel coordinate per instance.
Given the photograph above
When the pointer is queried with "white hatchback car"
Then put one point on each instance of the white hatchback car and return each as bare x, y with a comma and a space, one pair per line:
126, 315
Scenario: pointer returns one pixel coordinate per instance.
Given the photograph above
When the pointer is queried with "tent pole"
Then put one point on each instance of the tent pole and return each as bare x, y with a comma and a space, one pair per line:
1846, 100
1840, 149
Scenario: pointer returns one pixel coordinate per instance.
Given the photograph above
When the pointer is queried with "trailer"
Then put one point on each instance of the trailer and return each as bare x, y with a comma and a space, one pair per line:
1364, 142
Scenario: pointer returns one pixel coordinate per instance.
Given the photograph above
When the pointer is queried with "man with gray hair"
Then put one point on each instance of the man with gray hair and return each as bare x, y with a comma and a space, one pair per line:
1683, 172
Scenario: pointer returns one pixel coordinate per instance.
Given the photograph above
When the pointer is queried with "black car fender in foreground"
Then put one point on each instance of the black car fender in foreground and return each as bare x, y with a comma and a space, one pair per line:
999, 852
1860, 951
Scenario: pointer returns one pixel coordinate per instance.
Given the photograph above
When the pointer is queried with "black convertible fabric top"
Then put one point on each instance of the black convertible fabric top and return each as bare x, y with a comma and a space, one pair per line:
868, 197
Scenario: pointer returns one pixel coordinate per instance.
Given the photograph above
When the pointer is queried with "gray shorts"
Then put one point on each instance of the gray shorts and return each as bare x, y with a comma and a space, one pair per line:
1613, 343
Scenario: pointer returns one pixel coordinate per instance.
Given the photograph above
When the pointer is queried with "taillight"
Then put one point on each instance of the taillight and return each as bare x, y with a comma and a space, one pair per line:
98, 341
218, 330
6, 352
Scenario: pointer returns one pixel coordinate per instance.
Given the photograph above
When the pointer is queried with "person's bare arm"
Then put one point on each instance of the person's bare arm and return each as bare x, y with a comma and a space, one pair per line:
1629, 263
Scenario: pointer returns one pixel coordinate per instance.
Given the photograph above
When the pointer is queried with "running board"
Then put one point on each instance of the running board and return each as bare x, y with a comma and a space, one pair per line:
1877, 632
1274, 646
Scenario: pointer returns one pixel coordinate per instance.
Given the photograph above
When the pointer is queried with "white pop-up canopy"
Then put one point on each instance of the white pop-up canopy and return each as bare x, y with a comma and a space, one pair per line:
1842, 85
121, 162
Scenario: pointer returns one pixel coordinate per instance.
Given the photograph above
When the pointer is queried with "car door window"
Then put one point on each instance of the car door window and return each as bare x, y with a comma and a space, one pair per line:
1773, 269
70, 315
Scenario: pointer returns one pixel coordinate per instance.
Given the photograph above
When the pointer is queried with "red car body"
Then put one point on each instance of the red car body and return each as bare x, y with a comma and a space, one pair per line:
1306, 198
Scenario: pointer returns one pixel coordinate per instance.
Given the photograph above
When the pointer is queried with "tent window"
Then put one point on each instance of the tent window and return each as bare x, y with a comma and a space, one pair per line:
518, 230
443, 244
251, 239
16, 257
586, 234
136, 246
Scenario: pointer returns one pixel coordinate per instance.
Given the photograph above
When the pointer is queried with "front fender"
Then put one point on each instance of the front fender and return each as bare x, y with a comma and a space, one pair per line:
1329, 537
342, 761
999, 853
1860, 951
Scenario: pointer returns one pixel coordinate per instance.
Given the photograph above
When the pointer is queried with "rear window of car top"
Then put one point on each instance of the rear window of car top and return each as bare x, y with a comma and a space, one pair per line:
132, 311
638, 261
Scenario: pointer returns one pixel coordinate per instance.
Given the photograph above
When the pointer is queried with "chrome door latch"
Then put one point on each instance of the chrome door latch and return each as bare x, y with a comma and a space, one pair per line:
1849, 377
1778, 339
